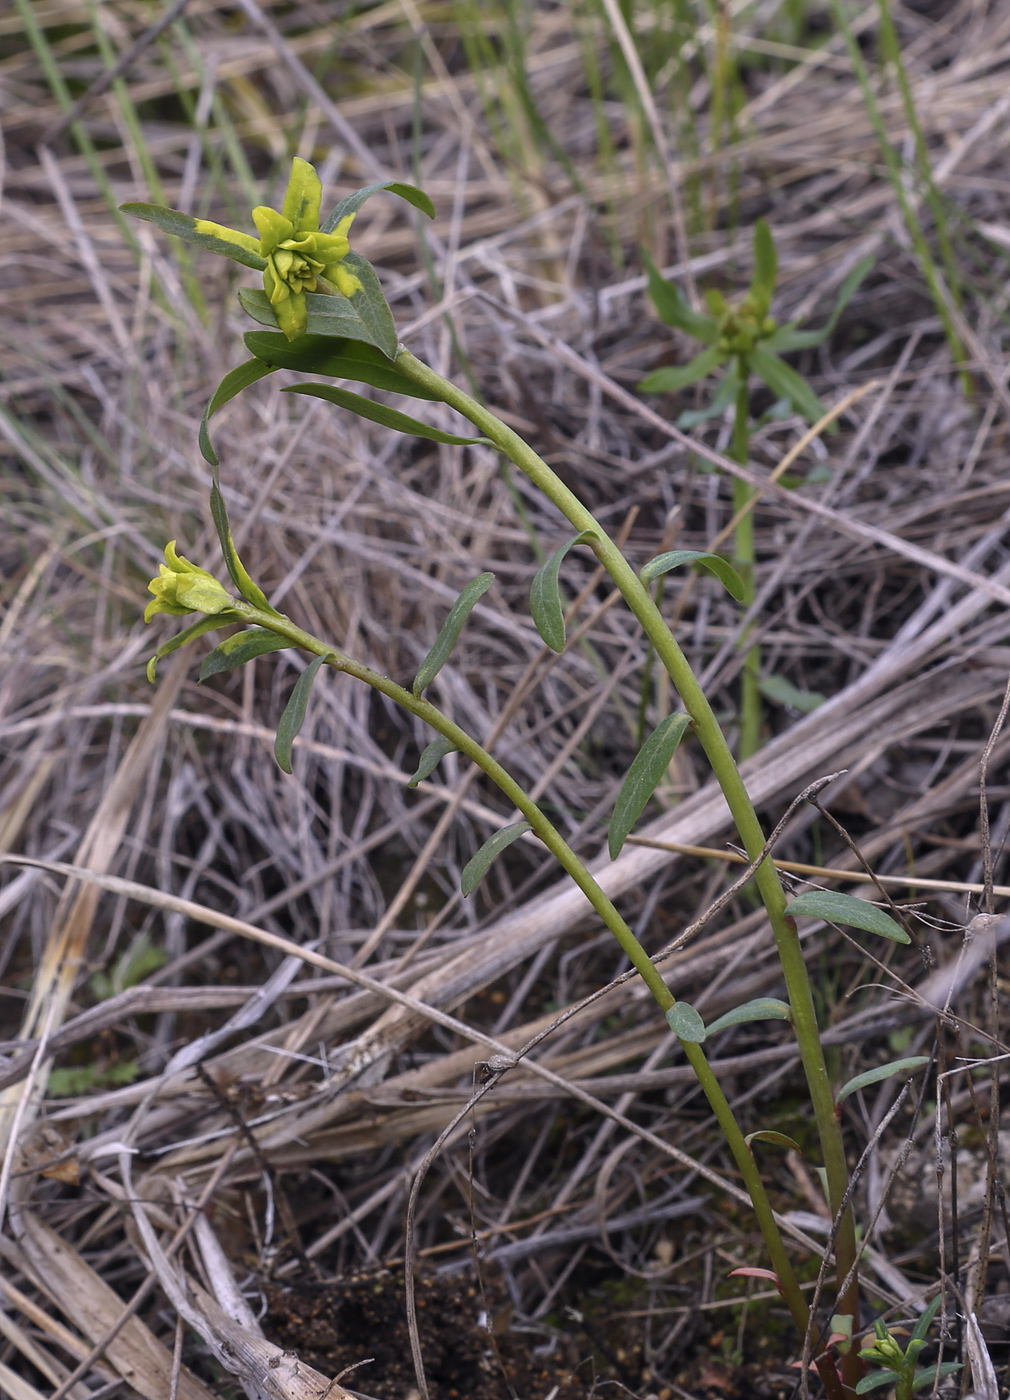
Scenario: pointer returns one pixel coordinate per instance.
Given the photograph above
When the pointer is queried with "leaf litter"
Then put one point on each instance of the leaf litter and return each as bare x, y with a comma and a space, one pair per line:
881, 583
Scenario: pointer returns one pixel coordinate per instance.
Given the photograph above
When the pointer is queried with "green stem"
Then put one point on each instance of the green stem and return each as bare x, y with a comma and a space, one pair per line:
600, 901
743, 557
728, 776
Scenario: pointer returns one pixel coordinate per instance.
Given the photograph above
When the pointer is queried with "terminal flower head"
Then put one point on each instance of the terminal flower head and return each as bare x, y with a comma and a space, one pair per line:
182, 588
295, 256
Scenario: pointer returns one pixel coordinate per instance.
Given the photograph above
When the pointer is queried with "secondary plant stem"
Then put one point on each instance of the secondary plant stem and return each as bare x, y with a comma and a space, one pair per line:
743, 557
600, 901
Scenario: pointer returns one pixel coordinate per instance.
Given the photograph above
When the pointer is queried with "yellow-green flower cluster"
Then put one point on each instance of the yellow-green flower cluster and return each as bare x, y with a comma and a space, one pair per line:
299, 259
182, 588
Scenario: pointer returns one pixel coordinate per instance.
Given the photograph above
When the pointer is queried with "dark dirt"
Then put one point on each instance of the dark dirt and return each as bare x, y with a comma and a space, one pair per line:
335, 1325
338, 1324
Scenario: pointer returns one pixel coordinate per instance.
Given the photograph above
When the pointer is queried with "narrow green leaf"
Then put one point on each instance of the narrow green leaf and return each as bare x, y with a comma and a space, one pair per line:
714, 563
672, 307
294, 712
250, 591
783, 380
206, 624
926, 1377
335, 355
431, 758
233, 383
840, 908
723, 397
788, 338
475, 869
365, 316
644, 775
766, 267
242, 647
451, 628
673, 377
545, 595
379, 413
354, 201
760, 1009
184, 226
925, 1320
783, 692
770, 1135
874, 1076
874, 1382
685, 1023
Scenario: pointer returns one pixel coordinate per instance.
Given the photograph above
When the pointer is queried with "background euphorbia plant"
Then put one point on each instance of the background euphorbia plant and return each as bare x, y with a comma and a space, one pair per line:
747, 339
349, 333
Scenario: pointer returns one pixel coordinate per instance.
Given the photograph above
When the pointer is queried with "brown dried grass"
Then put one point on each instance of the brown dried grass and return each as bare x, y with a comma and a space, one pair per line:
884, 588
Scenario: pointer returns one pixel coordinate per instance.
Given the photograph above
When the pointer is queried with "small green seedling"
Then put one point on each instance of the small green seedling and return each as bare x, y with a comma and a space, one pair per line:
899, 1366
747, 340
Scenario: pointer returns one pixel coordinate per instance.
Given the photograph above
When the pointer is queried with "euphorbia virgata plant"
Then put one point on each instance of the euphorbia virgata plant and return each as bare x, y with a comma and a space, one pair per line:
340, 326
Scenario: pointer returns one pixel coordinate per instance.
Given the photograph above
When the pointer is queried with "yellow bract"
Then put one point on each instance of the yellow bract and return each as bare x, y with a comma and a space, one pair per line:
182, 588
299, 257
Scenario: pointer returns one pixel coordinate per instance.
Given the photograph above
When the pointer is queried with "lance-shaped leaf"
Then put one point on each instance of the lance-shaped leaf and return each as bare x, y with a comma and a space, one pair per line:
714, 563
685, 1023
874, 1076
783, 692
380, 413
294, 712
672, 307
233, 383
354, 201
475, 869
783, 380
925, 1378
241, 247
723, 397
673, 377
645, 773
451, 628
365, 316
242, 647
206, 624
840, 908
250, 591
766, 267
776, 1139
760, 1009
431, 758
545, 595
335, 355
876, 1381
788, 338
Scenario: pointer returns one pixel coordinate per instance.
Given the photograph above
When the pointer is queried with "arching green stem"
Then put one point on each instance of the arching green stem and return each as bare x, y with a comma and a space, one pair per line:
729, 778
